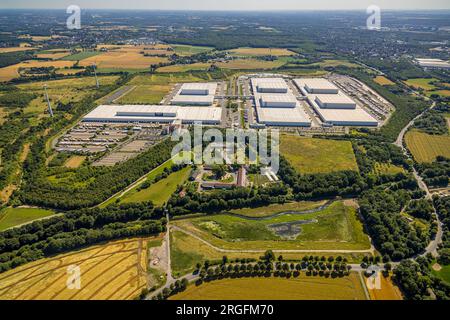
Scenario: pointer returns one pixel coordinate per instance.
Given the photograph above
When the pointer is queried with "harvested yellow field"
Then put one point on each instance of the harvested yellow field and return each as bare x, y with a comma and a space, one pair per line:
74, 162
15, 49
387, 291
425, 147
11, 72
123, 57
382, 80
112, 271
250, 64
53, 55
279, 52
69, 71
301, 288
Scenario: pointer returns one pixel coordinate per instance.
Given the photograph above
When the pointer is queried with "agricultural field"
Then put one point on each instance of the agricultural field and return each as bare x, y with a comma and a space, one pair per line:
309, 155
425, 147
301, 288
81, 55
387, 291
147, 94
11, 217
250, 64
335, 227
186, 50
53, 54
164, 79
382, 80
12, 72
74, 162
123, 58
430, 86
257, 52
112, 271
159, 192
184, 67
15, 49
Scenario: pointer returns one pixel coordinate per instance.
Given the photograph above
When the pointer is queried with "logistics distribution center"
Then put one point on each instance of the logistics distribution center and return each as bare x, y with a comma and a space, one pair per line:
195, 94
332, 105
276, 105
192, 103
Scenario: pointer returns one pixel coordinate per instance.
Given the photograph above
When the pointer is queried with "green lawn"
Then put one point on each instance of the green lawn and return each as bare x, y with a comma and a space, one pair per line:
443, 274
336, 227
11, 217
81, 55
309, 155
148, 94
160, 191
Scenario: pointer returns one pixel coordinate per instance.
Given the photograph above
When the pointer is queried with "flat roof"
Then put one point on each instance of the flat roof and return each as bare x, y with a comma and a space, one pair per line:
281, 116
356, 116
156, 113
211, 86
278, 98
193, 98
269, 83
339, 98
316, 83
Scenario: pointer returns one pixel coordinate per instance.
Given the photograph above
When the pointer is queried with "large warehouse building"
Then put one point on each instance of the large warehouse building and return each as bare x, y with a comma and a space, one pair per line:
276, 105
332, 105
433, 63
195, 94
154, 114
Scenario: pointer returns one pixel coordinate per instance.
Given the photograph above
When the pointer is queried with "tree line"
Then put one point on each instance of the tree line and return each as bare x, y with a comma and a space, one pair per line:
76, 229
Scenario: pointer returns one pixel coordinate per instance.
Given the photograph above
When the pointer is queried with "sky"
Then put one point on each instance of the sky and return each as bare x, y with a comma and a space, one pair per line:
230, 4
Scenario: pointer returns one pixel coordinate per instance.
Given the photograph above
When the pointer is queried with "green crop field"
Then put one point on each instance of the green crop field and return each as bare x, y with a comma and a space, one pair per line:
421, 83
336, 227
148, 94
184, 67
425, 147
309, 155
81, 55
11, 217
301, 288
160, 191
187, 50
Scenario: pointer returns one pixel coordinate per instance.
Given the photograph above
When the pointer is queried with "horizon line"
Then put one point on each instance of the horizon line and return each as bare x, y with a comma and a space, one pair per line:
235, 10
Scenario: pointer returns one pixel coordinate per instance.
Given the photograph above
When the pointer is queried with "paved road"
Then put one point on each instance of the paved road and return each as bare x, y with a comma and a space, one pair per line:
433, 245
118, 94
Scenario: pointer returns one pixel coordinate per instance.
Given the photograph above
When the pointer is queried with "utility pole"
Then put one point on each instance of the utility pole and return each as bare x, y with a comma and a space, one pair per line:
95, 74
50, 110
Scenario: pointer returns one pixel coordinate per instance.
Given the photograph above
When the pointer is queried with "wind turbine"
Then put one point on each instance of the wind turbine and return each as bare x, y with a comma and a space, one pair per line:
50, 110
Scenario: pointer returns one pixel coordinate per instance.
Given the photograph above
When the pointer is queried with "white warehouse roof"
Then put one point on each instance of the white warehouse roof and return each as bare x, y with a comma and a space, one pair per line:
198, 88
339, 100
283, 117
278, 101
269, 85
193, 99
153, 113
347, 117
316, 85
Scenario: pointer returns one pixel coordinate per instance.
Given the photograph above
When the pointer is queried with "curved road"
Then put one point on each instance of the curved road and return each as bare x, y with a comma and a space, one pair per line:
433, 245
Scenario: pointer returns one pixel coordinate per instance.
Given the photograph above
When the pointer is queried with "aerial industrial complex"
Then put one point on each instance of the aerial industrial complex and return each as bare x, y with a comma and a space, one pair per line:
276, 105
433, 63
277, 101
